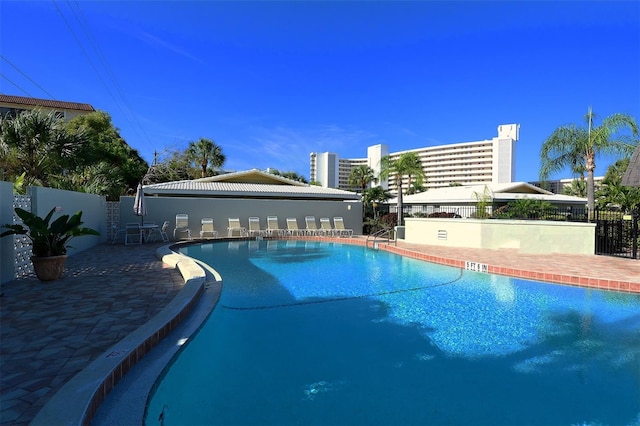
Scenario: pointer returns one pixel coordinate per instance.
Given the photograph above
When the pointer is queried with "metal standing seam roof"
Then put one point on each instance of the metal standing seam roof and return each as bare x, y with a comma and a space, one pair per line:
505, 191
195, 188
46, 103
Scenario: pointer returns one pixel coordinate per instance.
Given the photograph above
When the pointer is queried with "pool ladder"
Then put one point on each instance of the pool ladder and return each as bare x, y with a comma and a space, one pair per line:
382, 233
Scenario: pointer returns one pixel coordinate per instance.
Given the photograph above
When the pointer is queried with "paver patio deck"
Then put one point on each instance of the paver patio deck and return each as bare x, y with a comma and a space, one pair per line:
51, 331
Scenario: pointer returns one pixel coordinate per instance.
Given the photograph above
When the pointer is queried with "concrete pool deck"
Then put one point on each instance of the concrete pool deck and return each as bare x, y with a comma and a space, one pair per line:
49, 332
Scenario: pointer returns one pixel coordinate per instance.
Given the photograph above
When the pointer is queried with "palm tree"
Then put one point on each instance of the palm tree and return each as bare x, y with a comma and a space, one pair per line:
204, 152
361, 176
572, 146
613, 193
407, 164
577, 188
373, 196
38, 144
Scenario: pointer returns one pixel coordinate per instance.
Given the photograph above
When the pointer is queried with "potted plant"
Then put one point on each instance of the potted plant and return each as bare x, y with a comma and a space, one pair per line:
49, 241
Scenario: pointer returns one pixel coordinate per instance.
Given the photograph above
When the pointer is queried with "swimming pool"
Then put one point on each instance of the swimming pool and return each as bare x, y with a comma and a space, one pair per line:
325, 333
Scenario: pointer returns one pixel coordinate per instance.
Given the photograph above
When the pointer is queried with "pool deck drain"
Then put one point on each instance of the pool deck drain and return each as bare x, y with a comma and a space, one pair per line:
49, 332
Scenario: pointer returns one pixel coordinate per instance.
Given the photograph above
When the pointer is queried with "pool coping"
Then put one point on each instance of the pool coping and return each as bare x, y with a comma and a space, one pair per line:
79, 399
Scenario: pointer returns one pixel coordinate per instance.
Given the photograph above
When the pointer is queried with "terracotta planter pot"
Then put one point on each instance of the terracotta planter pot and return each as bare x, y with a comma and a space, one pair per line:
48, 268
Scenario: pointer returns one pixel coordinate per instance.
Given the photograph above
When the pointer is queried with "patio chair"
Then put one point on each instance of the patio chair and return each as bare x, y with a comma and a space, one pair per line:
163, 231
182, 225
254, 227
292, 227
339, 229
207, 230
234, 226
273, 229
312, 228
152, 231
325, 226
133, 234
116, 232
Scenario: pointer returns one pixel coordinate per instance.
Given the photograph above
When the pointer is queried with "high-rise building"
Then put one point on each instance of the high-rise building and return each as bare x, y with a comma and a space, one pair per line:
466, 163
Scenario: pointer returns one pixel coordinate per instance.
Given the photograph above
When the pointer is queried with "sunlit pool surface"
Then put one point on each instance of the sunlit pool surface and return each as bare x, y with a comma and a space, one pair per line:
312, 333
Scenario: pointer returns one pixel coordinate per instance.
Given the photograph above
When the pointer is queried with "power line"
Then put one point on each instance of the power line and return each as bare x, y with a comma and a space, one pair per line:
105, 63
95, 68
19, 88
27, 77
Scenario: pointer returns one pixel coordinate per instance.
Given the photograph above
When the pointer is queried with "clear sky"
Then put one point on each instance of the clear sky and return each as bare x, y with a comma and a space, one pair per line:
271, 82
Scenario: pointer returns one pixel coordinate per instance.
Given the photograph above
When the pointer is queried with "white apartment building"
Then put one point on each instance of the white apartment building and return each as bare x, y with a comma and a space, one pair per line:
466, 163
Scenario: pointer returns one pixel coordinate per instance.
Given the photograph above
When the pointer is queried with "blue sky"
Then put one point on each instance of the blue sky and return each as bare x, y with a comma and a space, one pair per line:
271, 82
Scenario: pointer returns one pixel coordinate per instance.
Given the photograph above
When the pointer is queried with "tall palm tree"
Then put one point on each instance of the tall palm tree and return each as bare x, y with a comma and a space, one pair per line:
204, 152
569, 143
361, 176
38, 144
407, 164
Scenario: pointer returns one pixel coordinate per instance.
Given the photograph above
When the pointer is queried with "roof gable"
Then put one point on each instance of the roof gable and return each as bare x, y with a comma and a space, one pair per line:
472, 193
251, 176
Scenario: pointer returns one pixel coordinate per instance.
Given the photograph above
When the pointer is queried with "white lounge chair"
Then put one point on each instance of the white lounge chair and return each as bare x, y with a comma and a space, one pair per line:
325, 226
182, 226
292, 227
312, 228
235, 227
338, 225
206, 228
273, 228
254, 227
340, 229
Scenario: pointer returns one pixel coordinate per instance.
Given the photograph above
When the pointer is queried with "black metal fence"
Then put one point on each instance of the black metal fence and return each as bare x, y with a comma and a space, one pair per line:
617, 234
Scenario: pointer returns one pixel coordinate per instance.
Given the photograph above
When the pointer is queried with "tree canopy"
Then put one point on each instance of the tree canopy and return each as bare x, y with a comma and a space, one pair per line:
576, 147
407, 164
205, 154
37, 144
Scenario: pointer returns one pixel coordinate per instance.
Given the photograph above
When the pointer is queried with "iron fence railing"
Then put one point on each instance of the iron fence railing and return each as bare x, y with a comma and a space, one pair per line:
573, 214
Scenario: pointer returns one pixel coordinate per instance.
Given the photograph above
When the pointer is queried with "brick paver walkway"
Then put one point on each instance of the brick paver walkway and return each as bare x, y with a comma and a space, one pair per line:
51, 331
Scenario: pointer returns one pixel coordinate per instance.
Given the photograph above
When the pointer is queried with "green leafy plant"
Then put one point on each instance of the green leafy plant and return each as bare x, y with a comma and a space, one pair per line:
48, 239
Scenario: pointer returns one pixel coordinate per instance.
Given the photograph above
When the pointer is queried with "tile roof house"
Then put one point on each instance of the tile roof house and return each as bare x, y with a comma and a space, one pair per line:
632, 175
15, 104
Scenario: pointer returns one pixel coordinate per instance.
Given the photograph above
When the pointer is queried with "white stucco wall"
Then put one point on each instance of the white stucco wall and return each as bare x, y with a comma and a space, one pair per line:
535, 237
93, 207
7, 262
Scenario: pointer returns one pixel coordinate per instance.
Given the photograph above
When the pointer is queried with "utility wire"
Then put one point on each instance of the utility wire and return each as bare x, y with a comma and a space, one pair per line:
19, 88
82, 21
95, 68
27, 77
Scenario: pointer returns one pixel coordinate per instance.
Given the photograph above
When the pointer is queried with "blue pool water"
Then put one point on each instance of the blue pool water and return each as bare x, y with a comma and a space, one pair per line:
312, 333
